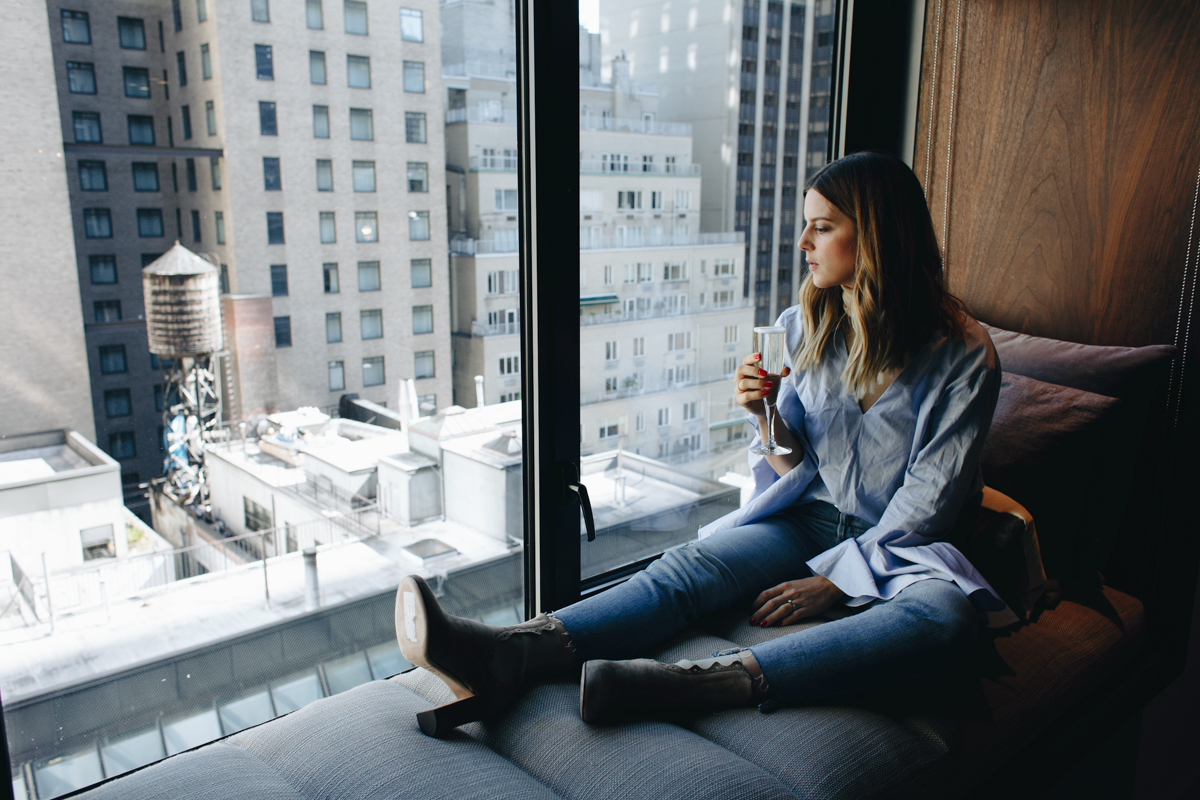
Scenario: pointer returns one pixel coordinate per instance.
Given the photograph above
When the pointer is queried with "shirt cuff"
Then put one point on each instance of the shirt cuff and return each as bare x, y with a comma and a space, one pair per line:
845, 567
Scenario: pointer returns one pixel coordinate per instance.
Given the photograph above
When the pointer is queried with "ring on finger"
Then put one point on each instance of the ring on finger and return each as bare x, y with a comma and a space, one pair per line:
793, 605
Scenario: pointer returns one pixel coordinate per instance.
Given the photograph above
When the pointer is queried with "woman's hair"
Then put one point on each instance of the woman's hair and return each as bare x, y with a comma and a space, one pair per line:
898, 292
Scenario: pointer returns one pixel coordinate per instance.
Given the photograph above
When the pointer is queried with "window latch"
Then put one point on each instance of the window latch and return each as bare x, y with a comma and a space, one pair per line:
572, 483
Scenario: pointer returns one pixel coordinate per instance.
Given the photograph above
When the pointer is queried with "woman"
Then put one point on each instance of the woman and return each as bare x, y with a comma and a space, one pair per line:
885, 403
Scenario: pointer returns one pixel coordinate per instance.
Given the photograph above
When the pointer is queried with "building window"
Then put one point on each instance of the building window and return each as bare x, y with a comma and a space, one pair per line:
364, 176
214, 165
689, 411
189, 168
112, 359
337, 375
316, 67
411, 28
267, 124
103, 269
219, 220
205, 62
418, 226
320, 122
418, 176
314, 15
505, 200
92, 176
195, 225
373, 372
414, 127
210, 117
185, 119
366, 226
675, 271
107, 310
629, 201
260, 11
414, 77
358, 72
324, 175
333, 327
181, 67
362, 124
510, 365
610, 351
97, 223
355, 15
87, 127
422, 317
121, 445
664, 417
330, 272
611, 427
131, 32
224, 276
371, 323
503, 282
369, 279
75, 27
137, 82
504, 240
81, 77
150, 223
275, 227
141, 129
279, 281
423, 364
272, 179
422, 273
201, 11
257, 517
264, 68
117, 403
283, 331
679, 341
328, 222
177, 13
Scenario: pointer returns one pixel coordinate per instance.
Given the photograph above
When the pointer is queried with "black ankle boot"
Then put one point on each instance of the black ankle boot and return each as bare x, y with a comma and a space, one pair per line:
483, 665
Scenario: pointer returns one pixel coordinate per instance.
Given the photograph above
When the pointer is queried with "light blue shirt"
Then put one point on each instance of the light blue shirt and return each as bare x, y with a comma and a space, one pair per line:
905, 466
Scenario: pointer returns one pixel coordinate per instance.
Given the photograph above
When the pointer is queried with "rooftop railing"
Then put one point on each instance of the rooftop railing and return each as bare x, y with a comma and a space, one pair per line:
504, 116
499, 163
631, 241
630, 168
589, 318
591, 122
495, 70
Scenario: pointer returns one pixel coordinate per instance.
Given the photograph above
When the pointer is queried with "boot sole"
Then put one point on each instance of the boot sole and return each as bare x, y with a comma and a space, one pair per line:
413, 599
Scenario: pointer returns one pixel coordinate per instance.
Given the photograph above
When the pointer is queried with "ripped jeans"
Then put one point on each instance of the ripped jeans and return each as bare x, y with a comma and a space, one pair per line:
927, 625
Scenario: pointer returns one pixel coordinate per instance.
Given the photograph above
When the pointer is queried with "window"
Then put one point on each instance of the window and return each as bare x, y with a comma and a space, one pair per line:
214, 167
260, 11
664, 417
362, 124
371, 323
150, 223
679, 341
283, 331
728, 366
364, 176
324, 175
275, 227
181, 67
103, 269
112, 359
121, 445
107, 310
81, 78
502, 282
355, 16
264, 68
510, 365
257, 518
683, 200
190, 169
608, 275
75, 27
272, 179
358, 72
418, 176
414, 76
731, 334
92, 176
675, 271
177, 13
195, 225
131, 32
267, 124
333, 327
423, 364
369, 276
422, 273
185, 118
210, 117
422, 317
330, 273
689, 411
504, 240
366, 226
97, 223
320, 122
279, 281
418, 225
219, 221
610, 427
205, 61
723, 267
610, 351
87, 127
639, 346
723, 299
117, 403
328, 227
411, 29
373, 372
414, 127
337, 375
505, 199
314, 15
316, 67
629, 201
201, 11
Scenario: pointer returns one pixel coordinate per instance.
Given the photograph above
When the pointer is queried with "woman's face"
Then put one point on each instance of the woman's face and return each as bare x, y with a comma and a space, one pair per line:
830, 241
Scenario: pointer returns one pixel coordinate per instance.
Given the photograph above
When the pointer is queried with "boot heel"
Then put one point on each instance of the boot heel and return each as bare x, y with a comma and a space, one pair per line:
443, 719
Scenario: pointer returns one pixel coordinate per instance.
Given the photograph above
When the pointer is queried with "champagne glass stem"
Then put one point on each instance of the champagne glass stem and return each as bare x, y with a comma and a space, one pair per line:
770, 424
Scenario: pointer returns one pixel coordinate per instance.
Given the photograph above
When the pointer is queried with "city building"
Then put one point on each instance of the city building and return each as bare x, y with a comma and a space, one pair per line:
257, 134
754, 85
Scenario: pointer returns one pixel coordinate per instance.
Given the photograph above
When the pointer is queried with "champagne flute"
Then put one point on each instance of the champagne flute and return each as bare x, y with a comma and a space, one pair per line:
769, 344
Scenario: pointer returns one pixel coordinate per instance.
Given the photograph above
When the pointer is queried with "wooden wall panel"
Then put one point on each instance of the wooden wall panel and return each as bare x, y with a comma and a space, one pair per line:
1068, 134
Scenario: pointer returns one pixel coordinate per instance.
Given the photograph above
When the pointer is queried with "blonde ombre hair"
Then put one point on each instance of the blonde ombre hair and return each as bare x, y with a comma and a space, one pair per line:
899, 295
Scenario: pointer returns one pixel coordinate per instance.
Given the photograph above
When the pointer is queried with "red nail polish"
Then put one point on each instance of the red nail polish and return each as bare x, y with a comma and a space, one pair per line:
758, 356
762, 372
762, 624
768, 384
753, 621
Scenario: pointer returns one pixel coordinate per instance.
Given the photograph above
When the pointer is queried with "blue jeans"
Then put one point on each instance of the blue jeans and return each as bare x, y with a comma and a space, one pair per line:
927, 625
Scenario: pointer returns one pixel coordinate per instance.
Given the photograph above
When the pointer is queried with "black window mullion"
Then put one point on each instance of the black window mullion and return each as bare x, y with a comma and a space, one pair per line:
548, 180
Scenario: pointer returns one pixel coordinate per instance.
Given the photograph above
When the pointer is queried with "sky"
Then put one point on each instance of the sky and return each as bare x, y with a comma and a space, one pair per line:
589, 15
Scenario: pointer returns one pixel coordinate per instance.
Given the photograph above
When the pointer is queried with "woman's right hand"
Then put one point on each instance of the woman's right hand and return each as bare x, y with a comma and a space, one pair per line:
752, 384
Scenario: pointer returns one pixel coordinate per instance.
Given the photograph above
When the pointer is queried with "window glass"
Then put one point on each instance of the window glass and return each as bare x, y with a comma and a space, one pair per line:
414, 127
422, 317
81, 77
362, 124
177, 14
366, 226
422, 273
368, 276
324, 175
103, 268
279, 280
321, 122
268, 125
358, 72
205, 61
92, 176
423, 366
330, 272
75, 27
181, 67
373, 371
260, 11
356, 17
97, 223
150, 222
131, 32
371, 323
214, 164
87, 127
137, 81
201, 11
316, 67
112, 359
328, 222
313, 14
263, 62
185, 119
107, 310
337, 375
272, 178
117, 403
364, 176
283, 331
418, 176
414, 76
275, 227
418, 225
411, 29
210, 117
219, 224
333, 327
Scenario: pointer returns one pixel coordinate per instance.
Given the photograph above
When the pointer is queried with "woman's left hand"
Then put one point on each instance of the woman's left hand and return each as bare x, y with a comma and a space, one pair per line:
809, 597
